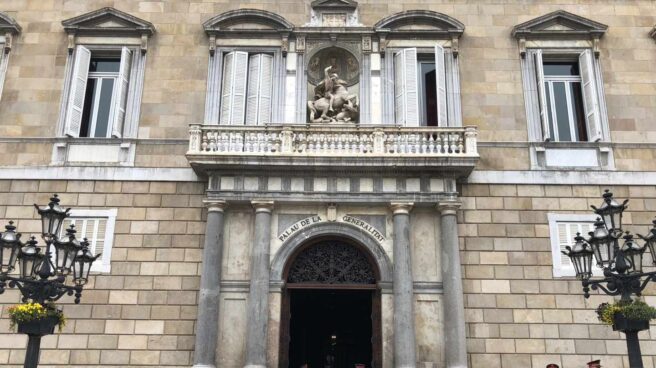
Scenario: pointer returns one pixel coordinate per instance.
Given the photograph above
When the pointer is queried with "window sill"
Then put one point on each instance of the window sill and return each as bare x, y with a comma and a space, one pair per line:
571, 156
93, 152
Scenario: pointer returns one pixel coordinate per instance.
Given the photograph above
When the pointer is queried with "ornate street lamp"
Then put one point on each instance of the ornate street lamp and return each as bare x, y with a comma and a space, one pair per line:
622, 266
42, 277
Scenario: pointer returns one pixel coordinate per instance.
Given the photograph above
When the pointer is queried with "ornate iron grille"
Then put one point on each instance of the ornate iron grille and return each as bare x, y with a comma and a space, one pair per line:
331, 262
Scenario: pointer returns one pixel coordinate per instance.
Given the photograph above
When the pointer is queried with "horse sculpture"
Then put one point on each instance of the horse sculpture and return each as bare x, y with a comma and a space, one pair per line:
333, 103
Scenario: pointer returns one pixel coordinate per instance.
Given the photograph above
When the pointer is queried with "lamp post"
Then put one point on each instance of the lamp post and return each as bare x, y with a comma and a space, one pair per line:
42, 276
622, 265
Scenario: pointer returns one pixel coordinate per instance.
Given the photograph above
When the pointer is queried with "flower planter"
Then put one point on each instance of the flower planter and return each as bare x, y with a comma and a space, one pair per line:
40, 327
621, 323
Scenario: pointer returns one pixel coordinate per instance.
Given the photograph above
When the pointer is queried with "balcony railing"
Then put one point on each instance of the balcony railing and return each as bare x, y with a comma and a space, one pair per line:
327, 140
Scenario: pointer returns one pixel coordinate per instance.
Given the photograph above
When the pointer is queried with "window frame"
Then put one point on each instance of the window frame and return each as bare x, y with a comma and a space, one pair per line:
102, 76
568, 80
104, 264
453, 115
558, 270
135, 87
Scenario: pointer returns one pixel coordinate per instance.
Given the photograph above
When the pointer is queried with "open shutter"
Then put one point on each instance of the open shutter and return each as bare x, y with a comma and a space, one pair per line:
258, 104
78, 90
440, 75
121, 93
542, 95
590, 96
406, 100
233, 94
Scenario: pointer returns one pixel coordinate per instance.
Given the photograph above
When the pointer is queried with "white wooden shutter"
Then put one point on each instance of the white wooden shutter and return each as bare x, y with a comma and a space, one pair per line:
406, 87
590, 96
542, 95
233, 94
258, 102
78, 90
121, 93
440, 75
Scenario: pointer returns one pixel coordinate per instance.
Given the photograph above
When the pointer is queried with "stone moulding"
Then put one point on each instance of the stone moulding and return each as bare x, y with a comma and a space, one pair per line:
8, 28
8, 25
425, 23
106, 22
270, 23
559, 24
334, 5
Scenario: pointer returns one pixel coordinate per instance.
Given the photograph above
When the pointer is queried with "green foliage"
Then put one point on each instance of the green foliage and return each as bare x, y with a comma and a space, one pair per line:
635, 310
28, 312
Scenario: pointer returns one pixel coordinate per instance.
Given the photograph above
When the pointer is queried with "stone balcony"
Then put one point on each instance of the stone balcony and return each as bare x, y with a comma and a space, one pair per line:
333, 149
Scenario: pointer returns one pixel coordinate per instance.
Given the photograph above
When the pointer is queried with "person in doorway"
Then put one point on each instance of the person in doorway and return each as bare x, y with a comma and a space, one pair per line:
594, 364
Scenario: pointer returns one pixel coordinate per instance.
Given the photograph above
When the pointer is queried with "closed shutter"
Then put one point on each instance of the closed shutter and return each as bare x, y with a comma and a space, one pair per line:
233, 94
78, 90
542, 95
440, 75
258, 103
590, 96
121, 93
406, 102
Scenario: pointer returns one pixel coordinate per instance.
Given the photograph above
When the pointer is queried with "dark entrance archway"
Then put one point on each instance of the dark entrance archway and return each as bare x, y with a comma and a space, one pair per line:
331, 307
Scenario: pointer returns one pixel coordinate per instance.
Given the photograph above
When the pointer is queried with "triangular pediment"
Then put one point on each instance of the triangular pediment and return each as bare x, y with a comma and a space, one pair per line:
334, 4
8, 24
559, 24
108, 21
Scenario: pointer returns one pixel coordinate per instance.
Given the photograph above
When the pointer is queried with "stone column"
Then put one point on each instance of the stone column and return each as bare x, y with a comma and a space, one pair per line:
405, 355
207, 322
258, 297
454, 306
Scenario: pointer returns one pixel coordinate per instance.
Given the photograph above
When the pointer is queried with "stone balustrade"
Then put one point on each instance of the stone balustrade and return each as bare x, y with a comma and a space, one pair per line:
326, 140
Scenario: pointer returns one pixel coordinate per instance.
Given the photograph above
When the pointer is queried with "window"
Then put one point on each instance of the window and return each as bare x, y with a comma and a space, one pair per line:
246, 88
98, 227
567, 96
420, 88
98, 94
9, 28
563, 228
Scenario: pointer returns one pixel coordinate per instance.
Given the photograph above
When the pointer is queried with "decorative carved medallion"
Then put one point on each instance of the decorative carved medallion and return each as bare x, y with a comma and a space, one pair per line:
331, 262
344, 63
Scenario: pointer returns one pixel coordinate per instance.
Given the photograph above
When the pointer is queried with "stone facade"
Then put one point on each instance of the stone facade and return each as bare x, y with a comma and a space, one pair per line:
144, 312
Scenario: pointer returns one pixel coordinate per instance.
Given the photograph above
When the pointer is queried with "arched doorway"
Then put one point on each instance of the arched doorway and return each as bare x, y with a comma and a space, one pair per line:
331, 307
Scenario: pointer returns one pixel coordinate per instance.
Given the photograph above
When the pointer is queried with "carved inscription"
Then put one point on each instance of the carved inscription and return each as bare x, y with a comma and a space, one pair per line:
364, 226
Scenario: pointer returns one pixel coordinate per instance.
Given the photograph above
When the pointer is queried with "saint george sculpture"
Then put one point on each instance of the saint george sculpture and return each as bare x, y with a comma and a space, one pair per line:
332, 101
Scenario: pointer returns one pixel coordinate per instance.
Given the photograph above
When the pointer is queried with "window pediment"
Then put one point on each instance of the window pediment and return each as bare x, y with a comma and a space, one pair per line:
8, 25
559, 24
413, 22
244, 20
107, 22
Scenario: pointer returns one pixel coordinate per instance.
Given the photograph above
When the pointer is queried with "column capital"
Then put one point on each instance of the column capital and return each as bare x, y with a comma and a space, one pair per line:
215, 205
401, 208
262, 205
448, 207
